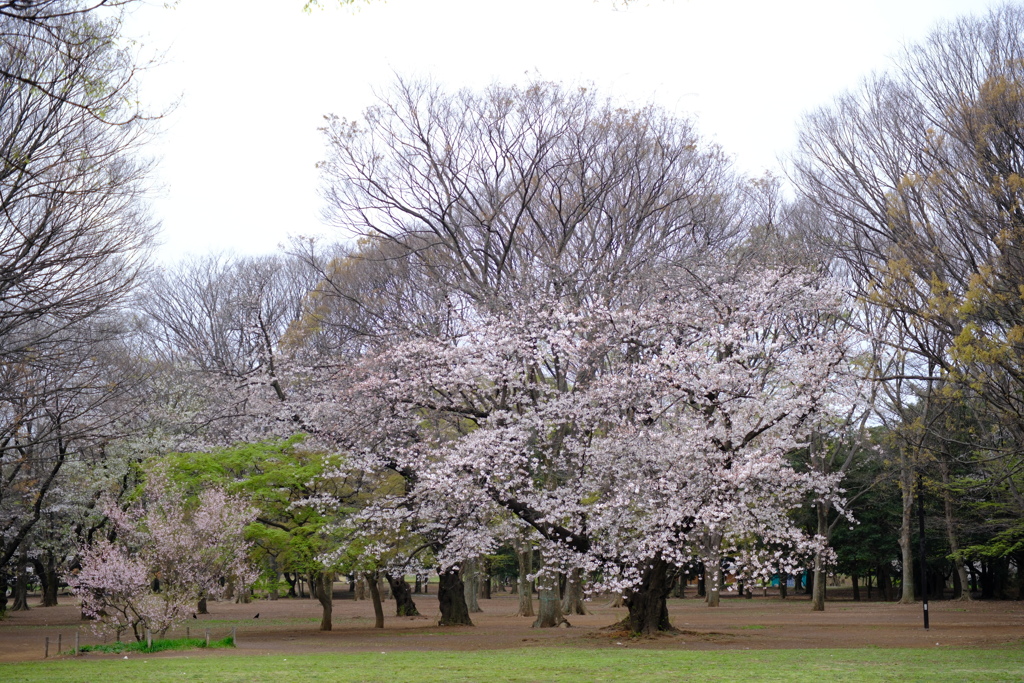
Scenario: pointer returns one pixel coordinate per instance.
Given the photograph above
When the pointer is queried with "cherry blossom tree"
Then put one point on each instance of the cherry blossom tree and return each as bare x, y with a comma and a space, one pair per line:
624, 435
189, 548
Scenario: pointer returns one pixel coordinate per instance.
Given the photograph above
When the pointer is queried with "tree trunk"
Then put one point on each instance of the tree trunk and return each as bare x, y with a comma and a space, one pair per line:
360, 587
404, 605
572, 600
856, 588
3, 591
679, 588
378, 608
549, 612
322, 587
959, 570
713, 570
46, 570
20, 596
451, 597
524, 556
885, 583
818, 591
648, 602
201, 607
485, 580
274, 592
471, 585
906, 545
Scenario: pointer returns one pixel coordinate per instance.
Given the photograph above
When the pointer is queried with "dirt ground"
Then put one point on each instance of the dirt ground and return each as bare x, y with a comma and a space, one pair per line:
291, 626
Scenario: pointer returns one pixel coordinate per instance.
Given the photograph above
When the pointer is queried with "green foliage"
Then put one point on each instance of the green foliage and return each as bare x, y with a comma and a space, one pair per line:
276, 477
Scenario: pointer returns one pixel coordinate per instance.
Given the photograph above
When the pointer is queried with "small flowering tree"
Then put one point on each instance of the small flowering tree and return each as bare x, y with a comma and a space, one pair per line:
188, 548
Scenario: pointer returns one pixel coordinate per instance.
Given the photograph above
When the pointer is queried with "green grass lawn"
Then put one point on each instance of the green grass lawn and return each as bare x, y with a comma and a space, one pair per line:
546, 664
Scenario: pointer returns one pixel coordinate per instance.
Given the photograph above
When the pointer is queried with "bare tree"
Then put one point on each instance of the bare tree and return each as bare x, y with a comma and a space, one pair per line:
527, 191
217, 322
917, 175
74, 237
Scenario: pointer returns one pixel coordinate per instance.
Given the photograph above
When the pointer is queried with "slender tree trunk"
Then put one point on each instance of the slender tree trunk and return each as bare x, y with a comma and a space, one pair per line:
274, 592
549, 612
485, 579
818, 592
404, 605
959, 570
3, 591
906, 541
378, 608
451, 597
713, 570
856, 587
322, 587
648, 602
572, 600
524, 557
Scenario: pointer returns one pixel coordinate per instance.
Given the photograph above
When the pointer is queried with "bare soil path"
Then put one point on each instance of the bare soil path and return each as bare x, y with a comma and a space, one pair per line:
290, 626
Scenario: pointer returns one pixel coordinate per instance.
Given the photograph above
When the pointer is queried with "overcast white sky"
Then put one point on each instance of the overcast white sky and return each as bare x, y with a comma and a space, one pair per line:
255, 78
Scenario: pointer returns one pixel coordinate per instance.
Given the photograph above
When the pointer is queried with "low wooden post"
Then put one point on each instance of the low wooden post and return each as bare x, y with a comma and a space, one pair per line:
234, 641
59, 635
207, 637
76, 643
149, 639
188, 630
46, 648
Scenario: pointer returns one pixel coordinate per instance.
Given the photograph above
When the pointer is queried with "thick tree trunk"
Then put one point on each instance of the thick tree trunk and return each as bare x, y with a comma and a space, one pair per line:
46, 570
360, 588
906, 545
572, 599
404, 605
451, 598
19, 601
885, 583
378, 607
549, 612
648, 602
201, 607
321, 586
3, 591
471, 585
524, 556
